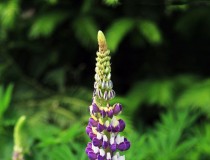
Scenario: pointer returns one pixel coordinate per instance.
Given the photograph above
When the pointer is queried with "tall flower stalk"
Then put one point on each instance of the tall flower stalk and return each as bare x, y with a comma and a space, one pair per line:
104, 126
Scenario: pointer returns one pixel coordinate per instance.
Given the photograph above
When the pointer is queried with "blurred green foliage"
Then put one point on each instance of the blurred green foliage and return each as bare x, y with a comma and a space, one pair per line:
160, 70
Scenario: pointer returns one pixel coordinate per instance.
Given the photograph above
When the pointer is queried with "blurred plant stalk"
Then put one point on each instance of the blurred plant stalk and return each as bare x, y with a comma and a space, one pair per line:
18, 150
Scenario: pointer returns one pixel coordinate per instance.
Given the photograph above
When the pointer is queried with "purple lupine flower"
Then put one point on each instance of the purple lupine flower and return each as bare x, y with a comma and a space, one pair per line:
104, 126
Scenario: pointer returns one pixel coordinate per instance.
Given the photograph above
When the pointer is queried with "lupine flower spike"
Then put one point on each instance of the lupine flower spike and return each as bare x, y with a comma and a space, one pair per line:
104, 126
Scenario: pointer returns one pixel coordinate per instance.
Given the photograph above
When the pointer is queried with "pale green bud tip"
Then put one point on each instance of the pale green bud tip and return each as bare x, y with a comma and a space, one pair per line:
102, 42
18, 151
18, 137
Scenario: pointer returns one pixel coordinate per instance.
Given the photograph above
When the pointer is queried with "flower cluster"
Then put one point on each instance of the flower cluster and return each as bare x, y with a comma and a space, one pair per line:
104, 125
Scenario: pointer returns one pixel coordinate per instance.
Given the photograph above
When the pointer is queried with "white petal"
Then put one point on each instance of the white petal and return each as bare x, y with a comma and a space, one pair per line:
108, 155
114, 122
122, 139
99, 136
121, 158
117, 154
114, 157
118, 139
91, 109
105, 138
95, 149
112, 134
102, 152
112, 140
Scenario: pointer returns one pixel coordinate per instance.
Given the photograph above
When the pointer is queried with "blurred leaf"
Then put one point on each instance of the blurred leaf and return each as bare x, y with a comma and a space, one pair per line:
62, 153
44, 25
194, 20
46, 61
71, 133
111, 2
160, 92
166, 139
5, 98
139, 146
52, 2
186, 81
6, 147
197, 96
117, 31
150, 31
43, 131
62, 137
155, 92
85, 30
203, 136
8, 13
172, 8
56, 77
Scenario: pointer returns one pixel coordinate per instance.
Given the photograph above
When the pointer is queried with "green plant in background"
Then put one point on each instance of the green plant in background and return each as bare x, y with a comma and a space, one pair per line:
104, 125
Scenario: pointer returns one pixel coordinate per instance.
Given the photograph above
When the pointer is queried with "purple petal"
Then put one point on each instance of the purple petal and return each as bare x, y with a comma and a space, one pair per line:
122, 125
99, 157
109, 128
92, 155
96, 142
100, 127
95, 108
117, 108
124, 146
92, 122
103, 113
88, 150
113, 147
92, 135
88, 129
110, 113
89, 145
105, 144
116, 129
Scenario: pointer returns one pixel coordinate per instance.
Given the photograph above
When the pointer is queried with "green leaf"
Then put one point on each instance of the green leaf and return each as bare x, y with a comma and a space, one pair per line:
8, 96
44, 25
5, 98
150, 31
117, 31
